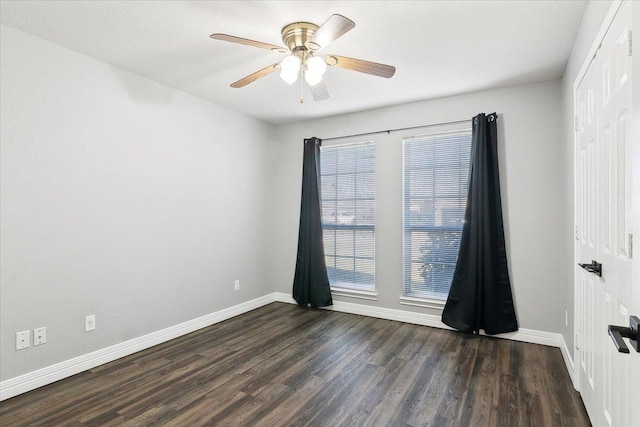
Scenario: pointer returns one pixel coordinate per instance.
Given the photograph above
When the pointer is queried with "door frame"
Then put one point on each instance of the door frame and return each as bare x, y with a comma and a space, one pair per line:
577, 305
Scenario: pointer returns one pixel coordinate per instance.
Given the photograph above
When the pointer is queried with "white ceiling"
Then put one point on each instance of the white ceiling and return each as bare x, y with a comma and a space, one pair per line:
439, 48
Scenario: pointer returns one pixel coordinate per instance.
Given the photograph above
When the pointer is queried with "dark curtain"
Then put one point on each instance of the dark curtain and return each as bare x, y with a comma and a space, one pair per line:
480, 295
311, 283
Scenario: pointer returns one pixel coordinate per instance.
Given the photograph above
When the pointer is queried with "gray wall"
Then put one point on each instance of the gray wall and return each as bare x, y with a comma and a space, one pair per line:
121, 198
126, 199
591, 22
531, 170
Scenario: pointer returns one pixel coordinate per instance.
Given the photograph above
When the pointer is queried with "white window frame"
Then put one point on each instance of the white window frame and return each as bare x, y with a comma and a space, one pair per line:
427, 300
354, 292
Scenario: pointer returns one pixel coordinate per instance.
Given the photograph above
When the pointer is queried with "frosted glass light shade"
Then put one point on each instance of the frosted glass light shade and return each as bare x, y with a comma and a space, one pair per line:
289, 68
316, 65
312, 78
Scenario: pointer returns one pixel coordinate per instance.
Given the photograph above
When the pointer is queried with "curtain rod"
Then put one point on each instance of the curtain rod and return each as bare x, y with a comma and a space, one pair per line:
396, 129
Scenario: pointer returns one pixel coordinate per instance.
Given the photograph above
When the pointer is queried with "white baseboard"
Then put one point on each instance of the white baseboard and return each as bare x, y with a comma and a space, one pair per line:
568, 361
378, 312
525, 335
32, 380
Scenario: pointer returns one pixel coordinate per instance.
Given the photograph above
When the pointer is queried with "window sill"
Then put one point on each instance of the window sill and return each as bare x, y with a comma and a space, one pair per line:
352, 293
423, 302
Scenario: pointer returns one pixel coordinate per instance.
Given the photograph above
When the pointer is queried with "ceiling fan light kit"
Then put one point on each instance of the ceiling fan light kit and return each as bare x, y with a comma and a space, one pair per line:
302, 40
289, 68
315, 67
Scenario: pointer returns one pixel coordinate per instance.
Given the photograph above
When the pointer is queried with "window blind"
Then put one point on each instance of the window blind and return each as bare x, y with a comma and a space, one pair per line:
348, 214
436, 181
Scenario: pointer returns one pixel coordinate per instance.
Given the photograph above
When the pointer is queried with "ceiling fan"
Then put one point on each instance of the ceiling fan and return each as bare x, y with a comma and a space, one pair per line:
303, 40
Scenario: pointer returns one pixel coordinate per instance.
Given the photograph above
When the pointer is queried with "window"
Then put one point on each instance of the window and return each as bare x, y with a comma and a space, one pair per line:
348, 214
436, 175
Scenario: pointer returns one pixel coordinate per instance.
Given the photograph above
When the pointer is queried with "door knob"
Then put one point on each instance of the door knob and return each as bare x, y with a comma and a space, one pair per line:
595, 267
618, 332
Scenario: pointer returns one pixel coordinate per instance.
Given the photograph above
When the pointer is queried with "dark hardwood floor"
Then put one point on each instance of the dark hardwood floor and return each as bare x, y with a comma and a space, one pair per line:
281, 365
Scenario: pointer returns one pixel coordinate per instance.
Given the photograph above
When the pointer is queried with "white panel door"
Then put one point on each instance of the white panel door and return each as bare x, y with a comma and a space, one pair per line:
614, 139
587, 283
604, 226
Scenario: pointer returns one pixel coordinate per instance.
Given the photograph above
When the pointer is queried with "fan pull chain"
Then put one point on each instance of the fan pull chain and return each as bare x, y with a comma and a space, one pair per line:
301, 87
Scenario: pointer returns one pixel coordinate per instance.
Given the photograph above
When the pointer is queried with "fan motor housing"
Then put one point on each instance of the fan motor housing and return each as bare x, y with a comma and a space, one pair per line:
296, 35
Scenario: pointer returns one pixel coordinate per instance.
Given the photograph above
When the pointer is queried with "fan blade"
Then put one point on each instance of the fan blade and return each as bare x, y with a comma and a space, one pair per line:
332, 29
319, 91
380, 70
255, 76
248, 42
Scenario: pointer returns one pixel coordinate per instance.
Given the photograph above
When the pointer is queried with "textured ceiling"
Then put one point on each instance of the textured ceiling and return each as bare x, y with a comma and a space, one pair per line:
439, 48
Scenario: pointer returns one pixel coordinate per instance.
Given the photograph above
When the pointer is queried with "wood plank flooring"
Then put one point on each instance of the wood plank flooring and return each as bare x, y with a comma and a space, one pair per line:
281, 365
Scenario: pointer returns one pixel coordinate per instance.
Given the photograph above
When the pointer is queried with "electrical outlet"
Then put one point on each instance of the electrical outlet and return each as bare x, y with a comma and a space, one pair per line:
23, 340
90, 323
237, 285
39, 336
566, 318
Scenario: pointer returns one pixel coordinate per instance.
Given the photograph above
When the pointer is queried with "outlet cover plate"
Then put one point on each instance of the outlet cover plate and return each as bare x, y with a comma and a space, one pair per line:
39, 336
23, 340
90, 323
